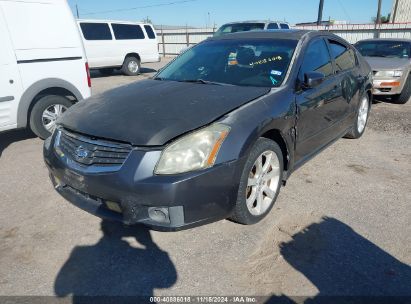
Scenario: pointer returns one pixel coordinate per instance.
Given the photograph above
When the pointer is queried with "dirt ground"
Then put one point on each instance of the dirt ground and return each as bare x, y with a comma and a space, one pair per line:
341, 226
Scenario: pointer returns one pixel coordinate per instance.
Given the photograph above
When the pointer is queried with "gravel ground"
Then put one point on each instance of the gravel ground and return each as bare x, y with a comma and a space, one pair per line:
341, 226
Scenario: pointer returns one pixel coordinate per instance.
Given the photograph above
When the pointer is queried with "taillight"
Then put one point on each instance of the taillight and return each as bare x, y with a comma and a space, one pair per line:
88, 75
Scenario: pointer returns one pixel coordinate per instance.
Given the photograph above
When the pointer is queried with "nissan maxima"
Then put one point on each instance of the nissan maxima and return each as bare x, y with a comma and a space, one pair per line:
215, 133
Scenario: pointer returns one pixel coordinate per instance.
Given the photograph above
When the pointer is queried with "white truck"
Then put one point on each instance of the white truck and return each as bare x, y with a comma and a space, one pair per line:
43, 65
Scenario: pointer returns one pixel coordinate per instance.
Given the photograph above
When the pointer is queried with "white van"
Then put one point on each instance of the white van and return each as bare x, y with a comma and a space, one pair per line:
43, 67
119, 45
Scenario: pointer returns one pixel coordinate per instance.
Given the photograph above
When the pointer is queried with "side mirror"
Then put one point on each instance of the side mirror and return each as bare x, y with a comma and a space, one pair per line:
313, 79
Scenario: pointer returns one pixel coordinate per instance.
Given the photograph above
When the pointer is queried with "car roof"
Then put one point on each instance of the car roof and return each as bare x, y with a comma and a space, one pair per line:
255, 21
386, 39
109, 21
292, 34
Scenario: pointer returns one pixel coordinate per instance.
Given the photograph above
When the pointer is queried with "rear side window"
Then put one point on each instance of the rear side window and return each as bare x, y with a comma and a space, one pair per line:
127, 31
272, 26
343, 56
150, 32
316, 59
96, 31
284, 26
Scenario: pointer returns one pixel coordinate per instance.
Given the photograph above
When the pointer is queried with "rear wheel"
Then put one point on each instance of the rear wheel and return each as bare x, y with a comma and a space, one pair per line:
131, 66
362, 117
45, 113
405, 94
260, 182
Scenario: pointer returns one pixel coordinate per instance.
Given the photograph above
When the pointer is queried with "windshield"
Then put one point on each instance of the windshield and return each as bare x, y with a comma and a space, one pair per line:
390, 49
249, 62
239, 27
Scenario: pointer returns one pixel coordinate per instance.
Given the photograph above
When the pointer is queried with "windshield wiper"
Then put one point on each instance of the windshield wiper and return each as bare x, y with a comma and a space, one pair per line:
202, 81
158, 78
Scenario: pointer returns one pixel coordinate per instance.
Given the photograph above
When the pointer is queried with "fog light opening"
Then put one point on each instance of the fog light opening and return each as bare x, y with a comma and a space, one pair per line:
160, 215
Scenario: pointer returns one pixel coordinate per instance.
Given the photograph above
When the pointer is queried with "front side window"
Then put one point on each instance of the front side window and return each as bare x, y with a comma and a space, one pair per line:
284, 26
316, 59
246, 62
95, 31
343, 56
384, 48
272, 26
150, 32
127, 31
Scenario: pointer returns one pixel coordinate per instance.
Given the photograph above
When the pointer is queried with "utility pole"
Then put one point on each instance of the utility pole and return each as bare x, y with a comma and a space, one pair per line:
395, 11
320, 12
77, 11
378, 20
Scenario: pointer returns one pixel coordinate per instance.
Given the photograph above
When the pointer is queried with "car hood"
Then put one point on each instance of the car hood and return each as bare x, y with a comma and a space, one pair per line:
381, 63
152, 112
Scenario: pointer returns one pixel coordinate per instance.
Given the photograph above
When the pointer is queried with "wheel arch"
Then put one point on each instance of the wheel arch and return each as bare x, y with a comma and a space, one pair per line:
50, 86
276, 136
133, 54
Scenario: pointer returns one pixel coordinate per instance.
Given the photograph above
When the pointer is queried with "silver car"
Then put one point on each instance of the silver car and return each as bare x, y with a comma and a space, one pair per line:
255, 25
390, 60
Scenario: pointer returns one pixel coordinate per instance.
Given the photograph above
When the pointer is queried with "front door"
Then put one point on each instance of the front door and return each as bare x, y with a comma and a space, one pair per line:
318, 108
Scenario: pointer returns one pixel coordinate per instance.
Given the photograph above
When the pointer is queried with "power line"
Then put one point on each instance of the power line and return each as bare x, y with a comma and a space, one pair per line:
139, 7
345, 11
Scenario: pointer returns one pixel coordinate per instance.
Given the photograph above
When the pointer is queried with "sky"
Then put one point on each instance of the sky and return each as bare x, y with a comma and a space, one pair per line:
200, 13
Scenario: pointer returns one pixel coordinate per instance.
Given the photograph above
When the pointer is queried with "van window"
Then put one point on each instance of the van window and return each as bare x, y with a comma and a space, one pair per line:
284, 26
127, 31
150, 32
272, 26
343, 56
96, 31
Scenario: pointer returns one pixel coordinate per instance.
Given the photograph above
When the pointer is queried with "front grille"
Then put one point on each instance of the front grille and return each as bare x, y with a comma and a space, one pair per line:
89, 151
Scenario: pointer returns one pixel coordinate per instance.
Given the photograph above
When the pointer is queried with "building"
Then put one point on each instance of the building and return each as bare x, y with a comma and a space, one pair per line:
401, 11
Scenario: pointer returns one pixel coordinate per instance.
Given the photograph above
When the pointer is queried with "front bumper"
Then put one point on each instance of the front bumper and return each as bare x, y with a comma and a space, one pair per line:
388, 86
162, 202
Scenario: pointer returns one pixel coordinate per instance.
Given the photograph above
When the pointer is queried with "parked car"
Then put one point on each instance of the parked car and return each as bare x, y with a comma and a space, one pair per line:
245, 26
215, 133
119, 45
390, 60
42, 71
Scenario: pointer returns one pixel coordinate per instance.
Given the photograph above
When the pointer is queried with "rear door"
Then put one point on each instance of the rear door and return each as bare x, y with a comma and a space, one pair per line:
10, 84
317, 107
130, 38
349, 81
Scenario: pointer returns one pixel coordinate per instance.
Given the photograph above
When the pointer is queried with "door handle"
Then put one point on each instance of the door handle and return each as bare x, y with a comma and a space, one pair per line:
6, 98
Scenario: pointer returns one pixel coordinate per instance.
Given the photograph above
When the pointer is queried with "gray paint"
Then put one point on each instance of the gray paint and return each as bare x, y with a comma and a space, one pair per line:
35, 89
6, 98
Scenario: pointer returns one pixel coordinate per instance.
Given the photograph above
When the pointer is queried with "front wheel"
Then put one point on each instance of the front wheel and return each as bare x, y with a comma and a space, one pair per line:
361, 120
260, 182
406, 92
45, 113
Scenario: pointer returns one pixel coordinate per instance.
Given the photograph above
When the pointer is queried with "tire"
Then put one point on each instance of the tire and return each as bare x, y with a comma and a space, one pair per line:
360, 123
52, 103
251, 214
106, 71
131, 66
405, 94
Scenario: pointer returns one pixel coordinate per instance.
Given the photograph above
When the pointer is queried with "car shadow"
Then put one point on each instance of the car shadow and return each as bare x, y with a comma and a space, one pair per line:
9, 137
115, 267
117, 72
345, 267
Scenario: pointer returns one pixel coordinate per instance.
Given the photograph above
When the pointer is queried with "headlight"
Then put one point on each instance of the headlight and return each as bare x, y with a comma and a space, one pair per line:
194, 151
397, 73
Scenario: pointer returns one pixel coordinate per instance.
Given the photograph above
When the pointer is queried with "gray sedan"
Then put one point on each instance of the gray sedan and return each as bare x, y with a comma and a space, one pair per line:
390, 60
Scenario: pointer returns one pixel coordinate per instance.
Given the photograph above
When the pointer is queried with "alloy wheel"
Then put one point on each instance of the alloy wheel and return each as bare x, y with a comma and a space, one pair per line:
50, 116
262, 183
362, 115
